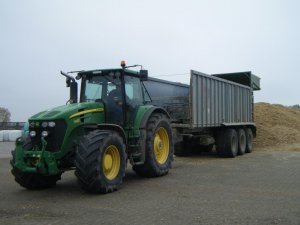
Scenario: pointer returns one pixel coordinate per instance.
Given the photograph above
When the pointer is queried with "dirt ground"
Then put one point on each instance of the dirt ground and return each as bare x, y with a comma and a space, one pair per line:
260, 188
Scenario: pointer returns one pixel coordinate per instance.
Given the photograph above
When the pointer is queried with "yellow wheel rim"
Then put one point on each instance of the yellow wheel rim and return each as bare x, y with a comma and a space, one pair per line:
161, 145
111, 162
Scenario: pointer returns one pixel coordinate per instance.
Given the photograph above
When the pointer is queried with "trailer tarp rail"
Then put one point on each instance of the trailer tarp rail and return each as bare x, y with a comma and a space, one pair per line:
245, 78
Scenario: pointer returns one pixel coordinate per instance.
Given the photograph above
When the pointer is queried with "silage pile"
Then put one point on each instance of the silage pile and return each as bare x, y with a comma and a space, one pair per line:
278, 127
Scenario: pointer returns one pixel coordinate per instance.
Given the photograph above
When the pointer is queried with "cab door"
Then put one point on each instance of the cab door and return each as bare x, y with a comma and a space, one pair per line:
134, 98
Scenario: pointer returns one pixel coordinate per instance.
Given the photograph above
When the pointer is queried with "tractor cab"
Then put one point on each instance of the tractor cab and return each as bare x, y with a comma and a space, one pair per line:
119, 90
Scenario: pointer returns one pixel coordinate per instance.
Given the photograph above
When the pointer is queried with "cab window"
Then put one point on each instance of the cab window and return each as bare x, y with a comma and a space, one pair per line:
133, 90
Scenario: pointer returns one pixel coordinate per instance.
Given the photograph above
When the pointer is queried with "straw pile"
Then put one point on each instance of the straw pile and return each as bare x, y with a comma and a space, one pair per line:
278, 127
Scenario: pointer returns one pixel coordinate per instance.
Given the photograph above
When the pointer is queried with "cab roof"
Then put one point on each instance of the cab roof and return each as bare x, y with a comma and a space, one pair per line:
106, 71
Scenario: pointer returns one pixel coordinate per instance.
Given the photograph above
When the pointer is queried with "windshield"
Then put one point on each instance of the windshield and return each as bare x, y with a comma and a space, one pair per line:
97, 88
121, 100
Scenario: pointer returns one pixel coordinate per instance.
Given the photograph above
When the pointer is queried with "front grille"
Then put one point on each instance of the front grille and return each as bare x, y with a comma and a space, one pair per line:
55, 137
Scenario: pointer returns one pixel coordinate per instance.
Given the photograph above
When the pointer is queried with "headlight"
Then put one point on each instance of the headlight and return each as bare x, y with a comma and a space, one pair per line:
32, 133
51, 124
45, 133
44, 124
32, 124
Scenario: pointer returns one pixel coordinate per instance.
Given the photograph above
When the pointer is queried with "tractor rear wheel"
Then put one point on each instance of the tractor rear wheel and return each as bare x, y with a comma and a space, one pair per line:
100, 161
159, 147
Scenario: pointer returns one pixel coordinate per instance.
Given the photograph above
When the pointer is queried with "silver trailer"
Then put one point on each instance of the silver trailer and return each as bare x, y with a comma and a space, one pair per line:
214, 110
216, 102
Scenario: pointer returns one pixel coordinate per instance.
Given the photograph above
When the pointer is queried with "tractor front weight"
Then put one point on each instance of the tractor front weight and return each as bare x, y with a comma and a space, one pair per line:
36, 160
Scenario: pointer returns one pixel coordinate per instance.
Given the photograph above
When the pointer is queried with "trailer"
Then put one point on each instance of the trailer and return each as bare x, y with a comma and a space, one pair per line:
214, 110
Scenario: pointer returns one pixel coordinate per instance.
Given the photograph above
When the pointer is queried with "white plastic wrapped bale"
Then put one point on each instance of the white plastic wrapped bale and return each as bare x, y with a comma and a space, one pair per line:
14, 134
1, 135
9, 135
5, 135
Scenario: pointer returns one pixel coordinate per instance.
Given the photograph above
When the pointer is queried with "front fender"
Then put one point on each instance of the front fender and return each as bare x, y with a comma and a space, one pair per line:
149, 112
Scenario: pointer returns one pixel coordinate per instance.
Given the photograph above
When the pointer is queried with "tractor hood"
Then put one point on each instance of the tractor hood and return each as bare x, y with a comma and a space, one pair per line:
69, 111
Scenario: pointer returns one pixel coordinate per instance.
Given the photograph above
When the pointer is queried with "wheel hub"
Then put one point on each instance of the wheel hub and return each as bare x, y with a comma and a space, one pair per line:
108, 162
111, 162
161, 145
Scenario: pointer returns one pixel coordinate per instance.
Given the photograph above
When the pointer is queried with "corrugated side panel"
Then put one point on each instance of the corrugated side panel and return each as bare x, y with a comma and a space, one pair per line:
215, 101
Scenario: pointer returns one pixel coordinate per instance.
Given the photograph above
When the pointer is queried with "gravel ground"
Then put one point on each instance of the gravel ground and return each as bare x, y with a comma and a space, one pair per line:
257, 188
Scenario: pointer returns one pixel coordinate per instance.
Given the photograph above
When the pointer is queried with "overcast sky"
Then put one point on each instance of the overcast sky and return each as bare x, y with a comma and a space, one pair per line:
40, 38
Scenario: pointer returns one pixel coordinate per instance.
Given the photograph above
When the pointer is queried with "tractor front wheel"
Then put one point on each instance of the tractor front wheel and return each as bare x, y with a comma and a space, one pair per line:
100, 161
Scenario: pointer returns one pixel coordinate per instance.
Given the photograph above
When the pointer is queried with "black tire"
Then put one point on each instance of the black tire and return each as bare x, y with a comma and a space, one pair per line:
207, 148
92, 154
249, 140
227, 143
32, 181
157, 163
182, 148
220, 143
242, 141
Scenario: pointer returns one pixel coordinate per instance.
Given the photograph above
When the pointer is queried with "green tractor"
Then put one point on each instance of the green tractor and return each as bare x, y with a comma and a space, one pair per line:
112, 123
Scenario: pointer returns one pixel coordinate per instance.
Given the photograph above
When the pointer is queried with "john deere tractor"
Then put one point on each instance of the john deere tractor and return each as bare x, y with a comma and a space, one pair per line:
112, 123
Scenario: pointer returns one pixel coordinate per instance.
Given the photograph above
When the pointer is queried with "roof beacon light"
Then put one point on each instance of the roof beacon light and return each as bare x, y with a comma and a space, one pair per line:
123, 63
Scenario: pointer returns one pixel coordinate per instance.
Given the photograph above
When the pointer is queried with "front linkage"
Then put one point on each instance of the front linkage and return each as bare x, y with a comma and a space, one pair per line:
32, 167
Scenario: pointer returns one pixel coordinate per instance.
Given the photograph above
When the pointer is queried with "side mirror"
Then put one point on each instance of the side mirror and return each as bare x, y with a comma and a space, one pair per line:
71, 82
143, 75
68, 81
73, 92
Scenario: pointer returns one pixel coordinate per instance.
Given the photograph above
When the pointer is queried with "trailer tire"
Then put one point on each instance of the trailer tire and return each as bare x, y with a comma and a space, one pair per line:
100, 161
159, 147
242, 141
220, 143
249, 140
182, 148
227, 143
207, 148
32, 181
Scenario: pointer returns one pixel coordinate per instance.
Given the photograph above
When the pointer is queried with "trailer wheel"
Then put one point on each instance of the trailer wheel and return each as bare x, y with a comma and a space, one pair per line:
182, 148
227, 143
100, 161
220, 143
159, 148
249, 140
242, 141
32, 181
207, 148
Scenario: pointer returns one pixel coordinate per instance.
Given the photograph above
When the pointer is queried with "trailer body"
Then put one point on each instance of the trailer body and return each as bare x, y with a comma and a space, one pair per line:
216, 102
204, 111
